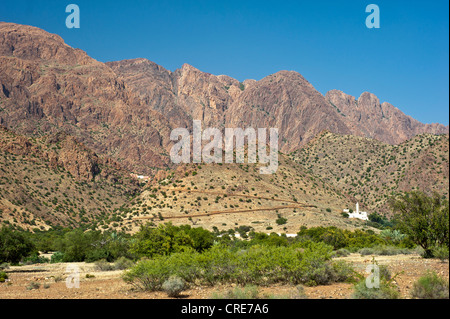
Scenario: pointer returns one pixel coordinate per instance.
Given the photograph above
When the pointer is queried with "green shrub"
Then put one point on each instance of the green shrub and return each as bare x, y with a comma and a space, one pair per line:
174, 286
123, 263
430, 286
386, 291
385, 251
281, 221
341, 238
4, 266
35, 259
33, 285
341, 253
103, 265
3, 276
163, 240
304, 263
57, 257
441, 252
247, 292
14, 246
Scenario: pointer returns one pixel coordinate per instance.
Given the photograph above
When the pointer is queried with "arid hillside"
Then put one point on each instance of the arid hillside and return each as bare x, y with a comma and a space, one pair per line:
373, 171
231, 196
55, 180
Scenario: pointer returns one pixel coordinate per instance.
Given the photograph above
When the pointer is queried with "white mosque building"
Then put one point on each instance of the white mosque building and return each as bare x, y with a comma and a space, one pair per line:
357, 213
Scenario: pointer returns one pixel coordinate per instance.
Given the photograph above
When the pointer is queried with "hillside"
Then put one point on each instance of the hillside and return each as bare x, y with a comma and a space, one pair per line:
54, 180
372, 171
231, 196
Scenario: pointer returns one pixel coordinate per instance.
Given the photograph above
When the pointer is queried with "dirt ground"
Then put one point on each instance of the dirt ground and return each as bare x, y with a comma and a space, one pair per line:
109, 285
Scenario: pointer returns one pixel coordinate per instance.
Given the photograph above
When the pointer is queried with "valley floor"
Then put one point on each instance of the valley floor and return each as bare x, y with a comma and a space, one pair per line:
109, 285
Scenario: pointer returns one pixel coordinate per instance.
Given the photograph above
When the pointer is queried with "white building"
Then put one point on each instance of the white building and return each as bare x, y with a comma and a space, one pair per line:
357, 213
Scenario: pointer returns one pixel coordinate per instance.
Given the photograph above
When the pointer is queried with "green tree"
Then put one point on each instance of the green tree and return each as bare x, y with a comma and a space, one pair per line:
163, 240
202, 238
425, 219
14, 246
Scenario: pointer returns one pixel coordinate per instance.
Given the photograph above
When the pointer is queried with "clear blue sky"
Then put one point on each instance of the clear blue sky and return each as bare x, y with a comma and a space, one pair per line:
405, 62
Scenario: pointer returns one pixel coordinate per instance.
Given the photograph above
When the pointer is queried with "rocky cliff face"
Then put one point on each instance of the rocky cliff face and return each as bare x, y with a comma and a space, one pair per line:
47, 86
56, 180
367, 117
62, 150
126, 110
284, 100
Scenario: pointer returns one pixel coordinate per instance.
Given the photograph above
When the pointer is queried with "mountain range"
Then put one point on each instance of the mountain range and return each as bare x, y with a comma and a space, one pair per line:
99, 122
125, 110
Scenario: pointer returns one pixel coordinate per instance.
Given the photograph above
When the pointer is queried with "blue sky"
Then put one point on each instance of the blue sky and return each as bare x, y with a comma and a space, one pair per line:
405, 62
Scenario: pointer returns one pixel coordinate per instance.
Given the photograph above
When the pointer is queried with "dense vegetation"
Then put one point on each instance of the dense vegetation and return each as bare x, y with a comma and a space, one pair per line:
301, 263
425, 219
421, 221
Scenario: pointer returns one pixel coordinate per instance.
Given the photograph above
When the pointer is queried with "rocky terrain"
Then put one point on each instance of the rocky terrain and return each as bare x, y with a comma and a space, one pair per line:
373, 171
231, 196
367, 117
125, 110
55, 180
47, 87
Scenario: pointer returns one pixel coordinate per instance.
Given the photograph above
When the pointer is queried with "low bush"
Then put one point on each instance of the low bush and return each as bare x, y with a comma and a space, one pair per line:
123, 263
4, 266
33, 285
35, 259
247, 292
341, 253
385, 290
174, 286
57, 257
430, 286
307, 263
386, 251
103, 265
341, 238
3, 276
441, 253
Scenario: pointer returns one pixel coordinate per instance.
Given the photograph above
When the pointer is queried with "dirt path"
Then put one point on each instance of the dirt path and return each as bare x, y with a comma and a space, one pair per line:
220, 212
235, 195
231, 211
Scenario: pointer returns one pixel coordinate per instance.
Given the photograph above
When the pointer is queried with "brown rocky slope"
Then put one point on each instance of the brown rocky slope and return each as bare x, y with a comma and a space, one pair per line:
126, 110
47, 86
55, 180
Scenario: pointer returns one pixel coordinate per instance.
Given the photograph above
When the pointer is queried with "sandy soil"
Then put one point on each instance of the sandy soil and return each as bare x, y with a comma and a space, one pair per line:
109, 285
